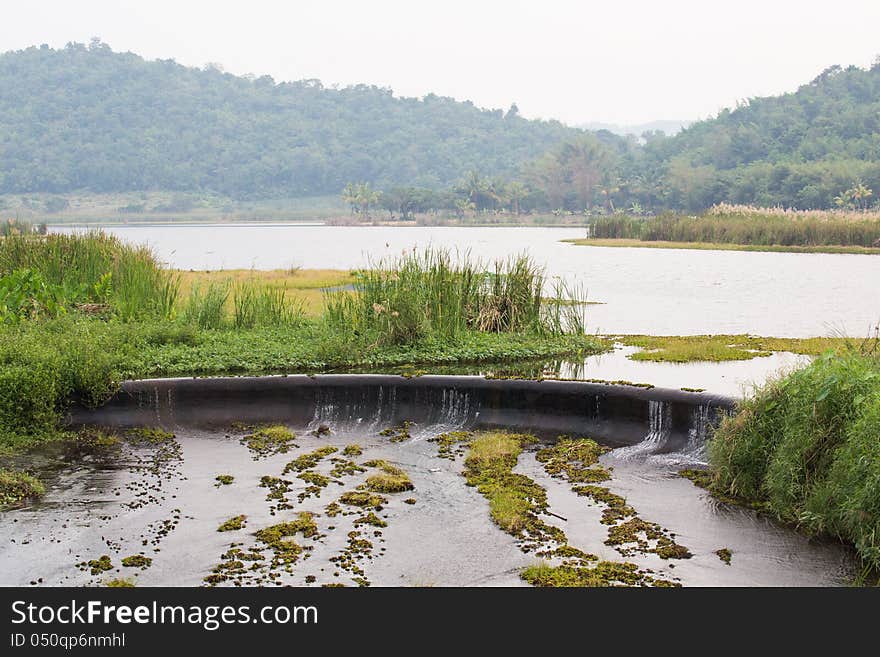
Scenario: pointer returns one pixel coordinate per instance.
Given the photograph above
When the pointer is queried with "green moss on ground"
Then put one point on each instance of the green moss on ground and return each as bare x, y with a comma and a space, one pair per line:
17, 487
233, 524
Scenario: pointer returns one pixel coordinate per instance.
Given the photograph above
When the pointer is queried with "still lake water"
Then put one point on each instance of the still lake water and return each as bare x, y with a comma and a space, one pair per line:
654, 291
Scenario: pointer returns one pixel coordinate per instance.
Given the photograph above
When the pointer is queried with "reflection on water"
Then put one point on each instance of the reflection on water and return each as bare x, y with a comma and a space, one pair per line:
651, 291
730, 378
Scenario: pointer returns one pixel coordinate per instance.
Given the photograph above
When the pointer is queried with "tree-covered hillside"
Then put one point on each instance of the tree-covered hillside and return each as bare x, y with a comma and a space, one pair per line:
85, 118
88, 118
799, 149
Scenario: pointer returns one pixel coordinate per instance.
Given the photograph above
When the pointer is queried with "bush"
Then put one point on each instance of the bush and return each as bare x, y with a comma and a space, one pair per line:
808, 447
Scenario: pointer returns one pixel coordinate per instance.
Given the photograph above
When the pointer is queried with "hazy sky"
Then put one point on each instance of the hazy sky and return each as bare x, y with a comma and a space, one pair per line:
614, 61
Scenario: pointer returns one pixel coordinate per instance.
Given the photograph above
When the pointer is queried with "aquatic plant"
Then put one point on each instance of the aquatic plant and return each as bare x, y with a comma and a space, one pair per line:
434, 292
728, 224
807, 448
18, 486
94, 268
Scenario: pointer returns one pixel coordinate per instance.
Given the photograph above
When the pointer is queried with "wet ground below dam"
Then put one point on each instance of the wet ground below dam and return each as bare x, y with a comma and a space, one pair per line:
147, 509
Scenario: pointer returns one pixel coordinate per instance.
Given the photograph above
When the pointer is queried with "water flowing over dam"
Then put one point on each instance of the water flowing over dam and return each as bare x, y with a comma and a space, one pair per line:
184, 490
637, 418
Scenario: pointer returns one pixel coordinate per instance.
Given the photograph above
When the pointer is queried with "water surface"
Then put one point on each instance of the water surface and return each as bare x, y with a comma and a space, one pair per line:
651, 291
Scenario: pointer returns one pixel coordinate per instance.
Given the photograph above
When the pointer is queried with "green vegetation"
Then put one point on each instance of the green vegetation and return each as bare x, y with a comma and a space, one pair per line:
425, 158
93, 274
515, 501
434, 293
233, 524
267, 139
806, 448
695, 348
79, 355
389, 479
725, 555
99, 565
574, 460
15, 487
743, 228
223, 480
269, 440
604, 573
120, 583
363, 499
137, 561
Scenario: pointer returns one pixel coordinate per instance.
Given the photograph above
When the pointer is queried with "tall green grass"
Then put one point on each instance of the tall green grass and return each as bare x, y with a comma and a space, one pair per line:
252, 306
741, 227
808, 447
94, 268
435, 292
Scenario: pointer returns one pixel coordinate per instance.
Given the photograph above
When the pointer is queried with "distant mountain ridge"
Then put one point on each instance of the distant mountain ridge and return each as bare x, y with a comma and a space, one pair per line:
87, 118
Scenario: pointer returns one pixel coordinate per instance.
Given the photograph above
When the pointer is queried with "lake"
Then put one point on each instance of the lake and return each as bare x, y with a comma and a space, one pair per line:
653, 291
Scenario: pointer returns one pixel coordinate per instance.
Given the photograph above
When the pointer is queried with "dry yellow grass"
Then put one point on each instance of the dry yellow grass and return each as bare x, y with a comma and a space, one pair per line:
305, 285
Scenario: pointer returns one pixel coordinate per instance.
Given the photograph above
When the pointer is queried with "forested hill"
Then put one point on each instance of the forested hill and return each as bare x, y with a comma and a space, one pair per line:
797, 149
87, 118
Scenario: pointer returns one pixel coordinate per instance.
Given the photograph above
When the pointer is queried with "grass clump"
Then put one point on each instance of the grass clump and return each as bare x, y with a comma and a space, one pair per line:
725, 554
279, 538
406, 299
120, 583
451, 443
807, 448
233, 524
574, 459
223, 480
267, 441
515, 501
363, 499
137, 561
390, 479
604, 573
310, 460
84, 272
100, 565
16, 487
353, 450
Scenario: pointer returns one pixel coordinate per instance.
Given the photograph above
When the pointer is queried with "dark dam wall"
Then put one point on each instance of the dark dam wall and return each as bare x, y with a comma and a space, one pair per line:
615, 414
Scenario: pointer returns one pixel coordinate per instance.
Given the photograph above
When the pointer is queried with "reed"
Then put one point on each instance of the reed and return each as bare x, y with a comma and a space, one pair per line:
435, 292
94, 268
745, 225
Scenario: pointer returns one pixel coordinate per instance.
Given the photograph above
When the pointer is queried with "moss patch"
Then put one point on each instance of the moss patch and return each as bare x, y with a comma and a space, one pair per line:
137, 561
352, 450
725, 554
223, 480
120, 583
398, 433
451, 443
390, 479
719, 348
16, 487
269, 440
363, 499
233, 524
310, 460
574, 460
604, 573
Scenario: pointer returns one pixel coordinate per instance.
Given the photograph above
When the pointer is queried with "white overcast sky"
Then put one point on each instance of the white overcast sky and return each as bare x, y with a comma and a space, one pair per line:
616, 61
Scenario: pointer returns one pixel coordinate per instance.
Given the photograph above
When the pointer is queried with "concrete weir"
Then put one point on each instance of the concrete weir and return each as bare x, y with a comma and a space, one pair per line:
618, 415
